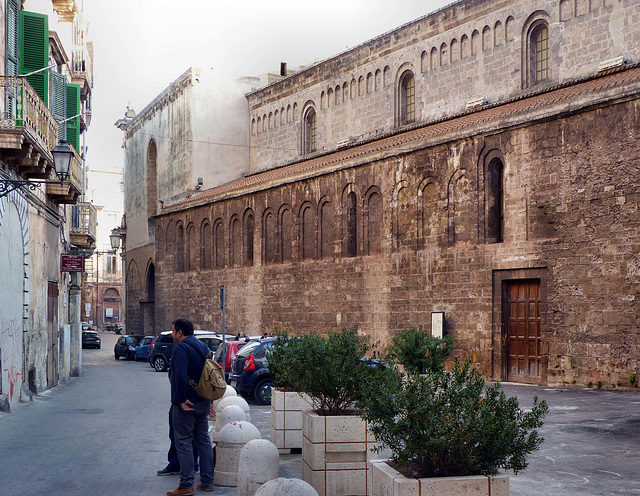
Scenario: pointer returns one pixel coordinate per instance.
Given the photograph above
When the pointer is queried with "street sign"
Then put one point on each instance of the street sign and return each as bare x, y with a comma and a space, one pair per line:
71, 263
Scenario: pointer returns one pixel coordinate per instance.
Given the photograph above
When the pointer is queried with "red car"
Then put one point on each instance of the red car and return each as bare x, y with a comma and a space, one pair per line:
230, 348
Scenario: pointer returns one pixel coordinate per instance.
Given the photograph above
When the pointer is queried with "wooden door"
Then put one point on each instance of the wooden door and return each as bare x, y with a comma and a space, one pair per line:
524, 346
54, 334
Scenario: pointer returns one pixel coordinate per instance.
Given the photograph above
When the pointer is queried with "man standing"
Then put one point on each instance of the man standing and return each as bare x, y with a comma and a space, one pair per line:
189, 411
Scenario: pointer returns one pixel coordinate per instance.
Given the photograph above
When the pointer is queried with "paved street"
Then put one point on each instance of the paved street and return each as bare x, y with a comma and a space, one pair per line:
106, 434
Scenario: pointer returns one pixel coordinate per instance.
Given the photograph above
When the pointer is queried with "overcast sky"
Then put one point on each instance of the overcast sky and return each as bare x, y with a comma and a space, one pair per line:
141, 46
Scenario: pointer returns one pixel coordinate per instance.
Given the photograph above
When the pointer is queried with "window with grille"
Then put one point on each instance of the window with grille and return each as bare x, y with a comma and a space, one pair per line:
541, 43
407, 99
310, 132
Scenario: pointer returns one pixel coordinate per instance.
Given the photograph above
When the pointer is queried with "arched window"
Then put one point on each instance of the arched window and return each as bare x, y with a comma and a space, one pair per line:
325, 234
190, 248
205, 245
248, 238
309, 138
269, 238
286, 228
407, 98
351, 222
535, 50
540, 53
179, 253
218, 248
307, 233
152, 175
235, 242
495, 201
374, 224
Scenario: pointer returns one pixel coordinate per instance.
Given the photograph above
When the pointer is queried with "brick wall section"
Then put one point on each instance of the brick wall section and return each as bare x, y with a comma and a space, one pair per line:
571, 220
579, 40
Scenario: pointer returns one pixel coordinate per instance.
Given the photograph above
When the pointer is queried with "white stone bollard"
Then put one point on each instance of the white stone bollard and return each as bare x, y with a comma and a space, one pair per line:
230, 391
259, 463
286, 487
231, 413
232, 400
231, 438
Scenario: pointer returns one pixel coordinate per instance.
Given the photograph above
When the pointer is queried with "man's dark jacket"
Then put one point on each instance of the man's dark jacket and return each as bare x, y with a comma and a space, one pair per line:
187, 362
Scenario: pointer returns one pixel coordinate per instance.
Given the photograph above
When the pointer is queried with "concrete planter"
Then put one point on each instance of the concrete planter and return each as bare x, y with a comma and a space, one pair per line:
335, 452
386, 481
286, 419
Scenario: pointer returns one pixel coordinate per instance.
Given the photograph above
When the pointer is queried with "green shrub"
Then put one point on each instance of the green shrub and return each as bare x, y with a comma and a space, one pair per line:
417, 351
632, 379
331, 371
449, 423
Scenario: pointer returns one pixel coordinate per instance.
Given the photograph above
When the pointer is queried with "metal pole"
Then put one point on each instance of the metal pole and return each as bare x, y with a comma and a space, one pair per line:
222, 306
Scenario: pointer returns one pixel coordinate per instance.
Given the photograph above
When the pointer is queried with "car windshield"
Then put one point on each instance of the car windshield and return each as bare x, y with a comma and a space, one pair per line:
133, 339
248, 348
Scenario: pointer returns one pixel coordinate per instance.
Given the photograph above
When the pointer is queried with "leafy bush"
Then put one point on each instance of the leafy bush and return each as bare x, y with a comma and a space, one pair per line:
331, 371
418, 352
449, 423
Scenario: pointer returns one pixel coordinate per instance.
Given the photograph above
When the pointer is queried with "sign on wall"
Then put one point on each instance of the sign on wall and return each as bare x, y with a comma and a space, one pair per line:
71, 263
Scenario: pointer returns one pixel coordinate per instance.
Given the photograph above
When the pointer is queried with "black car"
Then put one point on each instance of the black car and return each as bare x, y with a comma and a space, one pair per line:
126, 346
162, 348
90, 339
250, 371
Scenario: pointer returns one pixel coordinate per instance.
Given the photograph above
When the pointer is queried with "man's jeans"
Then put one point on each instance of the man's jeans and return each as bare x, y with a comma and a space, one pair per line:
172, 455
189, 427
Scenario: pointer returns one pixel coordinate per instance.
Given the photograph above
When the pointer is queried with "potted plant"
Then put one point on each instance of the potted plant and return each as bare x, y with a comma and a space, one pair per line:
287, 404
417, 351
336, 441
448, 432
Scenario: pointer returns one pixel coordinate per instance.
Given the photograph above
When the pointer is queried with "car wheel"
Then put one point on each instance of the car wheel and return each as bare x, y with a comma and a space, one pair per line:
115, 353
131, 355
98, 346
262, 392
159, 363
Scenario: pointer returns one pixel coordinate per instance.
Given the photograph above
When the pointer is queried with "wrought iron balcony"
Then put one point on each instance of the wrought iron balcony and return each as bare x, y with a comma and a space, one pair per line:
83, 225
28, 133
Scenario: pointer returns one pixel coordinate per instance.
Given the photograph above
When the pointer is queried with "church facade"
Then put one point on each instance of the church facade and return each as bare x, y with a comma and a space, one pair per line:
479, 163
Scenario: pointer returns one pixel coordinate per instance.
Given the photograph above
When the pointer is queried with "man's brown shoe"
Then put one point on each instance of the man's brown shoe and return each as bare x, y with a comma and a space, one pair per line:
200, 487
181, 491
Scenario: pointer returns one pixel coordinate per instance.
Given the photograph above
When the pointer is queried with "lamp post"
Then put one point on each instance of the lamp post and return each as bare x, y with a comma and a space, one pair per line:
62, 156
115, 238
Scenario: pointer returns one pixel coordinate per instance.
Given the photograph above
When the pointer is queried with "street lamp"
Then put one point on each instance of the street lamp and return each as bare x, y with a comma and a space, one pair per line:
62, 156
115, 238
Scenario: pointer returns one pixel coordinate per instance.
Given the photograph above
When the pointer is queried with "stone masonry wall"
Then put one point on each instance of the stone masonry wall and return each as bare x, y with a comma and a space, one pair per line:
467, 51
571, 221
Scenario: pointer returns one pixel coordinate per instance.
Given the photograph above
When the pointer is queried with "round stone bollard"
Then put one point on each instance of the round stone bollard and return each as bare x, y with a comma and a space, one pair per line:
259, 463
232, 400
230, 391
286, 487
231, 413
230, 440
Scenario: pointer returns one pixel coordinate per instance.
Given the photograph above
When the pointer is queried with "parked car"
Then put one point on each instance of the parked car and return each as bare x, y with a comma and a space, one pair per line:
250, 371
162, 348
142, 350
126, 346
118, 328
88, 327
90, 339
229, 349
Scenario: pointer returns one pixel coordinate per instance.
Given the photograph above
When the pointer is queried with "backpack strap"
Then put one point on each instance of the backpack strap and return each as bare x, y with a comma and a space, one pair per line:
191, 382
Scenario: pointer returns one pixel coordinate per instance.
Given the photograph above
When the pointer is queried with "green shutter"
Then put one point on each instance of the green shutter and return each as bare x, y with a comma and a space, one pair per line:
11, 62
34, 51
59, 103
73, 109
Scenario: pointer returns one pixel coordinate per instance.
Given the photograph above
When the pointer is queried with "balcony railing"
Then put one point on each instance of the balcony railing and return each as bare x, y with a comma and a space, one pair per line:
23, 109
83, 225
81, 64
